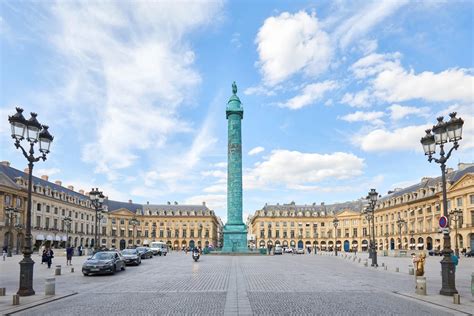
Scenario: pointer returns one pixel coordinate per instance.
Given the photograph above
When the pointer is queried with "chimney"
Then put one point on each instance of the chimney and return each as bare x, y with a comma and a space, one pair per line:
58, 182
5, 163
45, 177
70, 187
449, 170
204, 203
169, 203
130, 201
81, 191
175, 203
27, 171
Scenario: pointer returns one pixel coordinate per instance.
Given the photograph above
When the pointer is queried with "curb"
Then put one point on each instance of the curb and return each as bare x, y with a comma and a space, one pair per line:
47, 300
418, 298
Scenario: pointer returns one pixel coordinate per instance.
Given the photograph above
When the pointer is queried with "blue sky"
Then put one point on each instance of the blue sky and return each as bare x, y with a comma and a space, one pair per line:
336, 94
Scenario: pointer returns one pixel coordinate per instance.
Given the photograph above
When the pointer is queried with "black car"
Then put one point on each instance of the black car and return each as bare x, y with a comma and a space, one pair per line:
104, 262
145, 252
131, 256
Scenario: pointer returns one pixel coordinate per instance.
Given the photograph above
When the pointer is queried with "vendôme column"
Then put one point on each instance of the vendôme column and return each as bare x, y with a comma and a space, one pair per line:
235, 232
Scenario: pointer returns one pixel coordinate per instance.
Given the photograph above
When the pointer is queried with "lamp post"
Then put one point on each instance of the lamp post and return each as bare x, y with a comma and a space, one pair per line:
97, 200
335, 222
134, 222
372, 201
67, 222
400, 223
100, 216
442, 133
456, 215
153, 231
35, 133
11, 215
18, 228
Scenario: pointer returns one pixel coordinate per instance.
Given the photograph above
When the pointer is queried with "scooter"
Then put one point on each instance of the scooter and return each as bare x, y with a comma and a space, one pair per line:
195, 256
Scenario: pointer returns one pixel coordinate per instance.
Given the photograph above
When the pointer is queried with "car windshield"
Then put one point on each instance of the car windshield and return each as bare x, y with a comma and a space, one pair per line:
129, 252
141, 249
103, 256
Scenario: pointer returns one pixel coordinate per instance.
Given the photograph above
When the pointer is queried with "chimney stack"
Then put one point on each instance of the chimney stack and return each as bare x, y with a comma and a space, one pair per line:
58, 182
70, 187
204, 203
5, 163
169, 203
45, 177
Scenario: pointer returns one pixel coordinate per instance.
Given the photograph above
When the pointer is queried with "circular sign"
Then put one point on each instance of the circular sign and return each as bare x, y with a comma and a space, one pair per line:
443, 222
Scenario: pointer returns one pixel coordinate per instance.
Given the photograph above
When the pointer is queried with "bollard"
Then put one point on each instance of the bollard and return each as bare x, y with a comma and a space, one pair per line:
72, 270
360, 260
16, 299
397, 269
411, 270
456, 299
366, 264
383, 264
50, 286
472, 284
421, 285
3, 291
385, 267
58, 270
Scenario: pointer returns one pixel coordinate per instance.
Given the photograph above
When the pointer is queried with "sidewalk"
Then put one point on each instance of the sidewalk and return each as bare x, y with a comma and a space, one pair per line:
6, 306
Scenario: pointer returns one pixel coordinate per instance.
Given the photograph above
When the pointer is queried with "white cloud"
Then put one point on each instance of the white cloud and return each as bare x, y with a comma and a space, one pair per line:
256, 150
373, 64
222, 164
398, 112
213, 201
466, 112
381, 139
310, 93
260, 90
398, 85
361, 99
291, 168
235, 40
133, 69
359, 116
290, 43
365, 19
216, 188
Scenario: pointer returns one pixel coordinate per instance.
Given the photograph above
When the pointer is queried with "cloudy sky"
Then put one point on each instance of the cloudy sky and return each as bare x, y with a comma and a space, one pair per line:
337, 94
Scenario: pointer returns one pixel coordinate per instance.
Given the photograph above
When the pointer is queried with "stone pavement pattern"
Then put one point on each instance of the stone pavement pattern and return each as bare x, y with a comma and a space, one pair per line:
223, 285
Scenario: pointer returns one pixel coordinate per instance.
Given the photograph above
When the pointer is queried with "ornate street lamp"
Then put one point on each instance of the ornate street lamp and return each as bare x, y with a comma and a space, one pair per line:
456, 216
11, 215
400, 223
335, 222
67, 222
97, 200
35, 133
372, 201
442, 133
134, 222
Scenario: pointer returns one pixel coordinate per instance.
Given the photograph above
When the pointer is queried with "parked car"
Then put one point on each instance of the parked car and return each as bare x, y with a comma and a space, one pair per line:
470, 253
300, 251
288, 250
131, 256
278, 250
435, 252
159, 248
145, 252
103, 262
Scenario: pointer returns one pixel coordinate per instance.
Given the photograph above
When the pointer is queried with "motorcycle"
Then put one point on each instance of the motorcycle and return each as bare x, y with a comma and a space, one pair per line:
195, 256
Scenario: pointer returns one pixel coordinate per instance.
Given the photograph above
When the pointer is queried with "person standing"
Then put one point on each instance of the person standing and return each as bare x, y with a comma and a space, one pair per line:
4, 254
49, 257
69, 253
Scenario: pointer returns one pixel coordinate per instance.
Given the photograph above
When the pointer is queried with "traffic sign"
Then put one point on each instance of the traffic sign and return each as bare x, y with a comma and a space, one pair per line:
443, 222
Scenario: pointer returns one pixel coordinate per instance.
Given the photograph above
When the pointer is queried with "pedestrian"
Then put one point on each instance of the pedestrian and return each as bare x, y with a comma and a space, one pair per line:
455, 260
69, 254
4, 253
49, 257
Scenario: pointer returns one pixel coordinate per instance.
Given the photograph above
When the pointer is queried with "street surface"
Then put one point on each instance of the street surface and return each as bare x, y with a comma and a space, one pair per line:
241, 285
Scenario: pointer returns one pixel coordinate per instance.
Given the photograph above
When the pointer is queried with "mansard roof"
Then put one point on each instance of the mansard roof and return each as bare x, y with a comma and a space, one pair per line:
314, 208
116, 205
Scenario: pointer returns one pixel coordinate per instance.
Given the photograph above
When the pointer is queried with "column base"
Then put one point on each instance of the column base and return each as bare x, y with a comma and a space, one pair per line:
26, 277
235, 238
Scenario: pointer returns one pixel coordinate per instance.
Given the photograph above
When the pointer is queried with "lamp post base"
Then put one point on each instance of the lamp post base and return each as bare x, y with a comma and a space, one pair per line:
448, 276
26, 277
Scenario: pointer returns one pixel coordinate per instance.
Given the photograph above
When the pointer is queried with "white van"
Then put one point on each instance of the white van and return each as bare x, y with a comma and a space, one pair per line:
159, 248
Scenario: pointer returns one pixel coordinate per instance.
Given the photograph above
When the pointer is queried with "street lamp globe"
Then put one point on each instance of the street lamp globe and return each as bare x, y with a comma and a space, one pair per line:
428, 143
18, 124
373, 195
45, 139
101, 197
440, 132
454, 127
33, 127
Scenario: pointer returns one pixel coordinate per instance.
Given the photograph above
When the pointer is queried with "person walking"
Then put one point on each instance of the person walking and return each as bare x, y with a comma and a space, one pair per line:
455, 260
49, 257
69, 254
4, 254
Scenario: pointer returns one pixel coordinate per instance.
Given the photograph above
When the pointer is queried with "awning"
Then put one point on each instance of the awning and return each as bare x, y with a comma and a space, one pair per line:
58, 238
114, 228
49, 237
130, 229
39, 237
64, 238
421, 245
412, 245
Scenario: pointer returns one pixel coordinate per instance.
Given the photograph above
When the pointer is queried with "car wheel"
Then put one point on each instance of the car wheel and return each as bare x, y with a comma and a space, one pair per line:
85, 274
114, 270
123, 267
164, 254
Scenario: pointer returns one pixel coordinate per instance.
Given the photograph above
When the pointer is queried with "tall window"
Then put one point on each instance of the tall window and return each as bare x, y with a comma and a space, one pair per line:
38, 207
46, 223
38, 221
354, 232
161, 233
459, 201
55, 223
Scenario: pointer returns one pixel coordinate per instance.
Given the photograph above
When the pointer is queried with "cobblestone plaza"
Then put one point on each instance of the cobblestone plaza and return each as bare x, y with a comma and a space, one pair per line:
244, 285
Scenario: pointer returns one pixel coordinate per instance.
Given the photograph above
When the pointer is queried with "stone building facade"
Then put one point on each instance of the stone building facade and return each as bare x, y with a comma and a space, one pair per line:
419, 206
175, 224
51, 203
